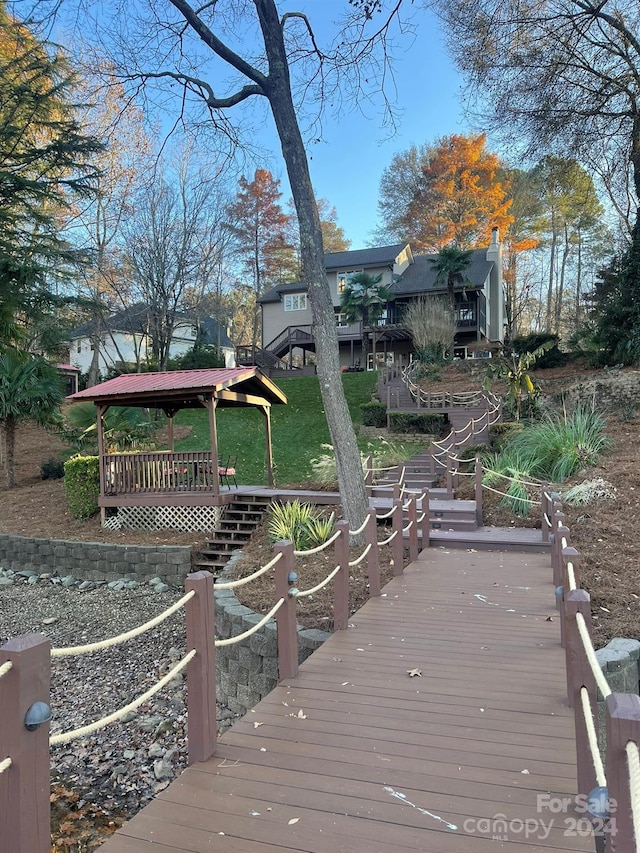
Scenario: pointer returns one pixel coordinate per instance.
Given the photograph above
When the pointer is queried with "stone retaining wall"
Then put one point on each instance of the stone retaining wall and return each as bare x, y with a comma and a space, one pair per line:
247, 671
95, 560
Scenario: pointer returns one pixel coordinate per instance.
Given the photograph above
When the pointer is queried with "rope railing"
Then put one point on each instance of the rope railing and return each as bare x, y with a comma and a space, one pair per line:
596, 669
312, 590
358, 560
534, 484
360, 529
382, 516
74, 734
242, 581
531, 501
319, 548
5, 764
592, 738
408, 527
389, 539
122, 638
230, 641
633, 769
5, 668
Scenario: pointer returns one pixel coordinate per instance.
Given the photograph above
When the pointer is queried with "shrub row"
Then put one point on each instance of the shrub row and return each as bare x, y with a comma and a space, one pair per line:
82, 485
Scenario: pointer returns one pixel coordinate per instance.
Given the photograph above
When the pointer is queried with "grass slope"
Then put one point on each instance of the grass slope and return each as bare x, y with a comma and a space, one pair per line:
299, 429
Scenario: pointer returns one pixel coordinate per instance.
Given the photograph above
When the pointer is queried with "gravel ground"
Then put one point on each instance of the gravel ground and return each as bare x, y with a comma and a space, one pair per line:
119, 768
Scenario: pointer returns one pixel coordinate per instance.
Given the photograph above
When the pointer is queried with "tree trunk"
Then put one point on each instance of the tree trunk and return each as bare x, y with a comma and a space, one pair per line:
278, 90
9, 429
552, 263
563, 270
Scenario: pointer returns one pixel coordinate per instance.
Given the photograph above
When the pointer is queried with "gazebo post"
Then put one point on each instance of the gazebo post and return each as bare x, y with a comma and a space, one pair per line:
213, 434
170, 433
266, 411
101, 460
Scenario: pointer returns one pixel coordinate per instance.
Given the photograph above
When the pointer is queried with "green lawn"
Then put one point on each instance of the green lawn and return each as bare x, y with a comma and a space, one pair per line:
299, 429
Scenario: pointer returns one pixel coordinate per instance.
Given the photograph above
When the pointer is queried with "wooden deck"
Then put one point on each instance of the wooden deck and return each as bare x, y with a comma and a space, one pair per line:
355, 755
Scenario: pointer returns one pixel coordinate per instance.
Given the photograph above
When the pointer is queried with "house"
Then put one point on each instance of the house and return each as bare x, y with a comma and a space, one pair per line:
125, 338
286, 313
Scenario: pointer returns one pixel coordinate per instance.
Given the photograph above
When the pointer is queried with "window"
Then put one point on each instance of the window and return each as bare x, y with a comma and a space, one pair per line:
343, 279
295, 302
341, 320
79, 347
466, 314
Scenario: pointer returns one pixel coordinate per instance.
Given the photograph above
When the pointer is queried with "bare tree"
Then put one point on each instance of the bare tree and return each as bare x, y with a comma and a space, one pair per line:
558, 75
171, 247
199, 57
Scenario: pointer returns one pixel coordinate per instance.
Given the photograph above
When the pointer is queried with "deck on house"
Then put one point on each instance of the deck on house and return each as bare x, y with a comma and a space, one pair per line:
354, 754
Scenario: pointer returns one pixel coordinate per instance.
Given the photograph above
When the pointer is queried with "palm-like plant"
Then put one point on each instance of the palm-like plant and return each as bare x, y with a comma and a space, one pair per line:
364, 299
30, 389
515, 370
450, 264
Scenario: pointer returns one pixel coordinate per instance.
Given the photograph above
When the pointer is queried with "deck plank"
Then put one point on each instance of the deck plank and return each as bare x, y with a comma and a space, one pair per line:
380, 761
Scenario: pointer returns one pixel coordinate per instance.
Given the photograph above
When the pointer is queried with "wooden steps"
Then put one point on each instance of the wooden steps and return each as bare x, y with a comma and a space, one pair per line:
239, 520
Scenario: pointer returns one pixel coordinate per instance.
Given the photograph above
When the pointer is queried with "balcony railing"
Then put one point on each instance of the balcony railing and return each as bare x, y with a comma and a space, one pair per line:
158, 472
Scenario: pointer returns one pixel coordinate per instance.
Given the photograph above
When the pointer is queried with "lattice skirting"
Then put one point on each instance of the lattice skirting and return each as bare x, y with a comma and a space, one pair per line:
184, 518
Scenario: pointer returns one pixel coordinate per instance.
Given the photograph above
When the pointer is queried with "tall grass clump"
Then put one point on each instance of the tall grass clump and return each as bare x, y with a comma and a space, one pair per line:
560, 445
510, 472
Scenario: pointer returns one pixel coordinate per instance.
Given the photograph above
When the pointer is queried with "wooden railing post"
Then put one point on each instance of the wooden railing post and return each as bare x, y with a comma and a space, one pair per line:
546, 511
426, 521
286, 615
397, 544
25, 785
413, 530
373, 562
447, 457
623, 725
201, 671
478, 490
579, 675
341, 580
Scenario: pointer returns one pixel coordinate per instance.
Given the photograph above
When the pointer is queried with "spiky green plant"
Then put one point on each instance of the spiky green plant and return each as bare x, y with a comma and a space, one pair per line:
509, 472
302, 524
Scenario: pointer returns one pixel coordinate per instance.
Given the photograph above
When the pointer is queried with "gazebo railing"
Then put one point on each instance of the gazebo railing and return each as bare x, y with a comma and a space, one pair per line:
157, 472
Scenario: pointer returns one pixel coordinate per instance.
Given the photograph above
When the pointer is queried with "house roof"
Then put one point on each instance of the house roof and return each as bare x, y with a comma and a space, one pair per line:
420, 276
135, 320
181, 389
376, 257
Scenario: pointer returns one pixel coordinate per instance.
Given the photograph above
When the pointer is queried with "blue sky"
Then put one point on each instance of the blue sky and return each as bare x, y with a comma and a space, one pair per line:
346, 167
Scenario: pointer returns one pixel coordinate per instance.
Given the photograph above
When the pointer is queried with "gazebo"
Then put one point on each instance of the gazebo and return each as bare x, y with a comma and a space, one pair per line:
167, 478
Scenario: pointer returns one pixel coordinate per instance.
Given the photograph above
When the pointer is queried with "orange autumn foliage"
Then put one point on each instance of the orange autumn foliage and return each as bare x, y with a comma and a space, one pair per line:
461, 196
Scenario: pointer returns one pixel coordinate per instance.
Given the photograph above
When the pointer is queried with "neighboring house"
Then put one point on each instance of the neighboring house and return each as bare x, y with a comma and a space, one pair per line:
286, 313
124, 338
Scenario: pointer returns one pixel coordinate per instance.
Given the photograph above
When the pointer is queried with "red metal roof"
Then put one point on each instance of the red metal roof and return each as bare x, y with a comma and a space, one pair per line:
190, 382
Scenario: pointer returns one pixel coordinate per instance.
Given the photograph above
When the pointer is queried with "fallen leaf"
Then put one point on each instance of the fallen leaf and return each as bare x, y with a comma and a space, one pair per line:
525, 771
412, 673
549, 619
263, 749
344, 684
302, 715
293, 820
257, 725
606, 609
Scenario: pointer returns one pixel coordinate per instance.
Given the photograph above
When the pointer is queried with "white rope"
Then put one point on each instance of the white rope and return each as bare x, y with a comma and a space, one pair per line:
361, 557
407, 491
408, 527
592, 737
390, 539
533, 483
65, 737
387, 514
230, 641
5, 765
547, 520
360, 529
633, 762
5, 668
571, 576
249, 578
421, 517
511, 497
121, 638
320, 547
601, 681
304, 593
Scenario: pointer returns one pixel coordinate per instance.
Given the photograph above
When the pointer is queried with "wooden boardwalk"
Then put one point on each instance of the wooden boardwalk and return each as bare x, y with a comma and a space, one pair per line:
355, 755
